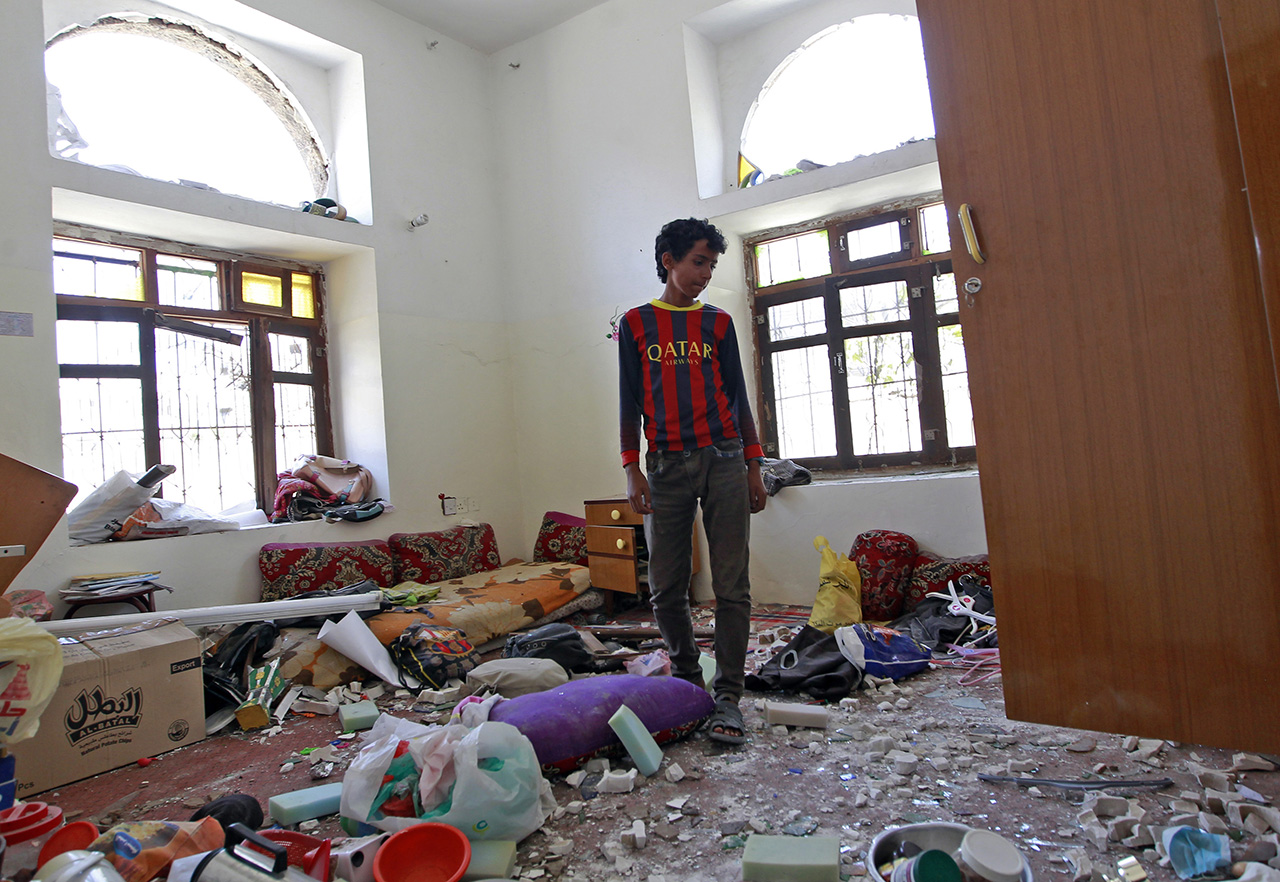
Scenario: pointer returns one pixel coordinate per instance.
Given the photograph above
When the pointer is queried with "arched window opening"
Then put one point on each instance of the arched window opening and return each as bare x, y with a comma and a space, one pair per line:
854, 89
161, 99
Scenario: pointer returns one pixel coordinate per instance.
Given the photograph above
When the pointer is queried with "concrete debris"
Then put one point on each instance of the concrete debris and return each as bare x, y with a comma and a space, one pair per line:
1147, 748
311, 706
575, 778
618, 781
1210, 779
1249, 761
677, 803
635, 837
560, 847
597, 764
1084, 744
674, 773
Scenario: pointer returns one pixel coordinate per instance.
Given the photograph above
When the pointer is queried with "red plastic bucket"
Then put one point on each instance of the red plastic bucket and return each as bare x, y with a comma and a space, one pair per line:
427, 852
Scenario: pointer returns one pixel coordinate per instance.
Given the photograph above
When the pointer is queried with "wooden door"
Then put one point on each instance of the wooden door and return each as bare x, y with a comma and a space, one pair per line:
1122, 378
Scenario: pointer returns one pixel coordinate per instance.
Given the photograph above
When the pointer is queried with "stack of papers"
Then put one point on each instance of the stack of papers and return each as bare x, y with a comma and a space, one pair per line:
111, 585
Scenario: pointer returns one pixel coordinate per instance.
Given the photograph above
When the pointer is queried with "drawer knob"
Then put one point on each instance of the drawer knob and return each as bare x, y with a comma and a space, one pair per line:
615, 514
622, 543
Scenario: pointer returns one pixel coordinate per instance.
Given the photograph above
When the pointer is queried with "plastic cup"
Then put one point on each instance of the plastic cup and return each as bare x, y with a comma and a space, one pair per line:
426, 852
75, 836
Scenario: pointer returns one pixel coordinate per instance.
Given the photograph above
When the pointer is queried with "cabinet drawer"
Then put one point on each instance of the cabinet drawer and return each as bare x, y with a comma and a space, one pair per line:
614, 573
612, 511
616, 541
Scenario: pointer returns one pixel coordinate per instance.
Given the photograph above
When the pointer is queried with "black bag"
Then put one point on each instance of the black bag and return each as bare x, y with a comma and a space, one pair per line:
558, 641
934, 624
355, 511
433, 655
811, 662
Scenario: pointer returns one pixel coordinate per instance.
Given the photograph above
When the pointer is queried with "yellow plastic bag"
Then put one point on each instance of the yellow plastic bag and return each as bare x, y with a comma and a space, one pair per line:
30, 668
839, 599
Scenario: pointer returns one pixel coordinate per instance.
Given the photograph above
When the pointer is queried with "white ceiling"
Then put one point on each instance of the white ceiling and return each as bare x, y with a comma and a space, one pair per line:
489, 25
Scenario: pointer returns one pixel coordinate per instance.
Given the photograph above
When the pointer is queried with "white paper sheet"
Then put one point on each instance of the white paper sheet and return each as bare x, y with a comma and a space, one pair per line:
352, 637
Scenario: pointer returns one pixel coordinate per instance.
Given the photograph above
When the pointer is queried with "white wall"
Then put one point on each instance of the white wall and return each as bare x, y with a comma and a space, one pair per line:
421, 372
472, 354
597, 140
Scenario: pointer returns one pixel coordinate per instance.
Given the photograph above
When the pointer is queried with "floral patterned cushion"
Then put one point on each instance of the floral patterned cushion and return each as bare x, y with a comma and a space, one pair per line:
444, 554
293, 568
885, 560
563, 537
932, 573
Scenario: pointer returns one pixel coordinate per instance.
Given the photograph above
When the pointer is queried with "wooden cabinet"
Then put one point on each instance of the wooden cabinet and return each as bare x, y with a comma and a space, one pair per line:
616, 549
1120, 363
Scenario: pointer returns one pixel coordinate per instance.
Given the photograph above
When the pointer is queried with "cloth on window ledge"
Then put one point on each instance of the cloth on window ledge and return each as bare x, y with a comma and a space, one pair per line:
779, 473
298, 499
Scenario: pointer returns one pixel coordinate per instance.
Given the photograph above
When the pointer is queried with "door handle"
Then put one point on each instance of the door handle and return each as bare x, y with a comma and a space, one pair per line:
970, 234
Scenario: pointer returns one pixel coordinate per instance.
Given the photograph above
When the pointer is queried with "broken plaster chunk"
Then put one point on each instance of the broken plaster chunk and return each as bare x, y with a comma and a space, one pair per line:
1105, 805
1147, 748
674, 773
618, 781
574, 779
597, 764
1249, 761
677, 803
905, 764
1211, 779
636, 837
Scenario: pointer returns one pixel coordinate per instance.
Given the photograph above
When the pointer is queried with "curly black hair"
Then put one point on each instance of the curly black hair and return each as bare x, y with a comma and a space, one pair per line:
678, 238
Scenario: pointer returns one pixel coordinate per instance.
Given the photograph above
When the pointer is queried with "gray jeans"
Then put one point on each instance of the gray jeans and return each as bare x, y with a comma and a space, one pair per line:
678, 480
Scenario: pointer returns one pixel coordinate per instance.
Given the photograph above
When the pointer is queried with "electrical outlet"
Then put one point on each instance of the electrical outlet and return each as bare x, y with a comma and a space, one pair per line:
448, 505
462, 505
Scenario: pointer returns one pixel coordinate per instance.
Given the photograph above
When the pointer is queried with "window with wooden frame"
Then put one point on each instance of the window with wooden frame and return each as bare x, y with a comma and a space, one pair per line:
169, 353
861, 356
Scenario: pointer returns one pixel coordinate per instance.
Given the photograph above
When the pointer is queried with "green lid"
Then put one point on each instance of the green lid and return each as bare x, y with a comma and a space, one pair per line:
934, 866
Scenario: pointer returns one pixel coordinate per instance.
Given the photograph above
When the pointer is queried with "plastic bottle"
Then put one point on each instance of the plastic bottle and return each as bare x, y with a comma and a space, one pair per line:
984, 856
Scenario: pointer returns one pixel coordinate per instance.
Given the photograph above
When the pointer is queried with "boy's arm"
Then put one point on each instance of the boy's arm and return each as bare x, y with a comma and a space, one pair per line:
629, 419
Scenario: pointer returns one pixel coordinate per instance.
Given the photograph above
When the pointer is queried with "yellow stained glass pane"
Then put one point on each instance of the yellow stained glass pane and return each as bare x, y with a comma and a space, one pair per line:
304, 297
261, 290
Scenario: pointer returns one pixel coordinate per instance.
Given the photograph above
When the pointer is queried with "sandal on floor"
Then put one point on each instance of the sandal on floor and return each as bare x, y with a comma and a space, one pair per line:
727, 717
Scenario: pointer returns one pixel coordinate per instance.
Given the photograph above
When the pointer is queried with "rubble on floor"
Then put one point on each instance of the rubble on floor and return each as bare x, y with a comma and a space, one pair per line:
933, 747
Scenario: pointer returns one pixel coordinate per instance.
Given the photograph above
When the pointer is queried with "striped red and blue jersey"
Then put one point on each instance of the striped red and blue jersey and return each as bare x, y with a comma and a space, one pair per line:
680, 371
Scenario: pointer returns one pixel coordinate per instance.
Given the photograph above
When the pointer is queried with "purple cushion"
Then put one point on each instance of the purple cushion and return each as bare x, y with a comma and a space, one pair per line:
569, 724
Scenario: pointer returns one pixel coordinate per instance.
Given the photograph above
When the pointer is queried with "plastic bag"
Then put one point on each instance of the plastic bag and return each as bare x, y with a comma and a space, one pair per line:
106, 508
485, 781
839, 599
165, 517
882, 652
142, 850
30, 668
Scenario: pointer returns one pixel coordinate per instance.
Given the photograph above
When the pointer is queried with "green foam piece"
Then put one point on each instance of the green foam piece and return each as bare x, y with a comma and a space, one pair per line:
645, 752
491, 859
357, 716
708, 665
303, 805
791, 859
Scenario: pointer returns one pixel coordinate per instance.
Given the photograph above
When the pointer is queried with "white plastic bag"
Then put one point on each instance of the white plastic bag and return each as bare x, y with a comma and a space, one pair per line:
166, 517
30, 668
107, 507
485, 781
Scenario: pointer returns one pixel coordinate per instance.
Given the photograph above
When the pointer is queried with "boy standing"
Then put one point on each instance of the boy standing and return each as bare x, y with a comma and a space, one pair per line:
681, 375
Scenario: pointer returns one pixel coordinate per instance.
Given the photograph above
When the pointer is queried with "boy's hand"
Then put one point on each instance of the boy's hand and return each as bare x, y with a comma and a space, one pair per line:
638, 490
755, 488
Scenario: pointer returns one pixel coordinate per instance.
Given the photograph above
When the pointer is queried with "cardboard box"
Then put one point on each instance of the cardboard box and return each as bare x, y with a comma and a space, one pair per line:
125, 694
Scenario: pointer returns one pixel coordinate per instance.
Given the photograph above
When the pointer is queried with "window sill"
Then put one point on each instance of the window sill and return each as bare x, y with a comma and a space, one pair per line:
893, 473
908, 171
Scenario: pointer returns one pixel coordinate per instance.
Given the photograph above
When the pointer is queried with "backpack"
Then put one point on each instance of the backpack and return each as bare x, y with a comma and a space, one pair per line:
433, 655
558, 641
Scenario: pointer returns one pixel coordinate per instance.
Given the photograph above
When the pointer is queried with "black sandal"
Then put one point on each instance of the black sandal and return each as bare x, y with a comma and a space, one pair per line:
727, 717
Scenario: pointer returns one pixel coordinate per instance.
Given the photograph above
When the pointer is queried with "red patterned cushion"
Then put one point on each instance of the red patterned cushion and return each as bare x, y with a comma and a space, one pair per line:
932, 573
444, 554
885, 559
292, 568
563, 537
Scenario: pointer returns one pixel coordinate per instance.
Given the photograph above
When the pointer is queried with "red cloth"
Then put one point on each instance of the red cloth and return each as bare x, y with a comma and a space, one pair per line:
290, 568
